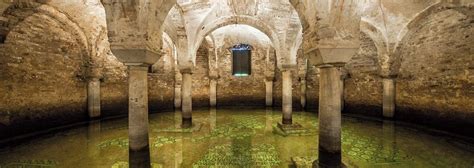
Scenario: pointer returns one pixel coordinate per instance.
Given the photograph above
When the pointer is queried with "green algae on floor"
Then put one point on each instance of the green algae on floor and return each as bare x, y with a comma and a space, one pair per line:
239, 138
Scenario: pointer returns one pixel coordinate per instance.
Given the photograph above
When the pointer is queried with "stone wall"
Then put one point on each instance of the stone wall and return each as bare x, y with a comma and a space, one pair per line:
201, 78
363, 84
114, 87
248, 91
435, 85
161, 83
41, 85
312, 89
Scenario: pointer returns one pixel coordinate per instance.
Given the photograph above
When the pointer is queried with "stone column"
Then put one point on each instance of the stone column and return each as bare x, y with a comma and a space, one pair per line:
269, 91
287, 96
342, 93
93, 97
187, 102
213, 91
303, 93
344, 75
177, 97
138, 108
177, 90
330, 116
388, 97
138, 61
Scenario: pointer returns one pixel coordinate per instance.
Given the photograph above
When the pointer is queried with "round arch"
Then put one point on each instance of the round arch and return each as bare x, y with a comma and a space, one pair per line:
244, 20
407, 32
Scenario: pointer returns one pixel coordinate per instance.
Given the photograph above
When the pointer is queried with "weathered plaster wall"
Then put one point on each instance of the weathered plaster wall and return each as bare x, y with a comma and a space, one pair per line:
435, 85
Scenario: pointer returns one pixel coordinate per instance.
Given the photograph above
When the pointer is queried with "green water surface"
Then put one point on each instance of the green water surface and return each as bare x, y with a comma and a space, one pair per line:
239, 138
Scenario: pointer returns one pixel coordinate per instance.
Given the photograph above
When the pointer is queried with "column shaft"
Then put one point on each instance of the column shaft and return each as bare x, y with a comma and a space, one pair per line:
93, 98
187, 104
268, 93
388, 98
287, 97
138, 108
177, 97
330, 117
342, 93
213, 92
303, 94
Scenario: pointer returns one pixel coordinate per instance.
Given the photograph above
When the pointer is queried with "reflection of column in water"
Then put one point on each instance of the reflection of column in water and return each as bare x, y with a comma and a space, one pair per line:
93, 138
139, 158
177, 119
268, 120
389, 139
212, 119
178, 157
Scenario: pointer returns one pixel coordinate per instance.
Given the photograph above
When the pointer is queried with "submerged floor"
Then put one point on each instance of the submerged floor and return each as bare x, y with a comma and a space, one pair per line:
239, 138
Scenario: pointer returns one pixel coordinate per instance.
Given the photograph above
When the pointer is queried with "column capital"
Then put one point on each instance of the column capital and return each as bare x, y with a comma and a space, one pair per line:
214, 77
288, 67
389, 76
331, 65
137, 57
138, 67
186, 70
269, 78
302, 80
335, 56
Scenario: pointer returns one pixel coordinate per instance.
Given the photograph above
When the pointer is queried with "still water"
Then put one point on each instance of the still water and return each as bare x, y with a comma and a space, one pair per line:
239, 138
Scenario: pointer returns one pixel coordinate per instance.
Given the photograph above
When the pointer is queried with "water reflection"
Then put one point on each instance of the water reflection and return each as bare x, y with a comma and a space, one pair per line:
93, 137
389, 140
238, 138
328, 160
140, 158
212, 118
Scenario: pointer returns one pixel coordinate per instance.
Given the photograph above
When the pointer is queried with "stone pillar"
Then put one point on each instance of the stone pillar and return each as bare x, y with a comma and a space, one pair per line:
269, 91
138, 61
177, 90
388, 97
344, 75
303, 93
187, 102
177, 97
138, 108
342, 93
213, 91
287, 96
93, 97
330, 116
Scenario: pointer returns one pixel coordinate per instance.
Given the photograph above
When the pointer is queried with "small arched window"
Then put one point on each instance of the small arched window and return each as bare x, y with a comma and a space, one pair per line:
241, 60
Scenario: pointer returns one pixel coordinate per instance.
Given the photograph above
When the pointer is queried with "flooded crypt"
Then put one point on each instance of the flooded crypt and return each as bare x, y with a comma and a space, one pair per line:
236, 83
